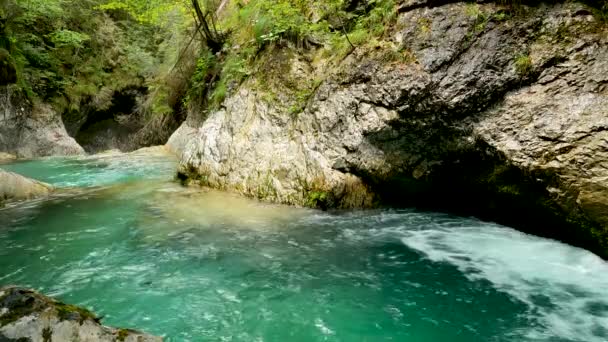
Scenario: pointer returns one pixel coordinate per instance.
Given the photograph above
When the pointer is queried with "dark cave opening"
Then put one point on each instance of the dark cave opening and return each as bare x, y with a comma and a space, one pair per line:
111, 128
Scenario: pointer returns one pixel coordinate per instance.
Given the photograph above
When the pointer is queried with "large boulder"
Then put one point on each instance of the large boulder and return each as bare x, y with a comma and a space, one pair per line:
26, 315
465, 107
29, 131
14, 187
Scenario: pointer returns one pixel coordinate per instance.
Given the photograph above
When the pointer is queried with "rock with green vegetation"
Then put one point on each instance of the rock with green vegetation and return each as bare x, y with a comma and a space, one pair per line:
14, 187
26, 315
107, 69
486, 109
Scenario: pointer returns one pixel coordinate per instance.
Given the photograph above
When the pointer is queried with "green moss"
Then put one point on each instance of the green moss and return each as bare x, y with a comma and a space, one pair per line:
122, 334
424, 26
317, 199
219, 94
523, 64
266, 189
72, 312
188, 174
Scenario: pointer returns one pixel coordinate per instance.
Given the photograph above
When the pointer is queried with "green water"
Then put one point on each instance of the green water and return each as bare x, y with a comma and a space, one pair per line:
139, 250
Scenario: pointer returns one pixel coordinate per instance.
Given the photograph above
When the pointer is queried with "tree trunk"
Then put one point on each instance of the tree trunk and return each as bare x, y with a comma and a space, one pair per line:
213, 38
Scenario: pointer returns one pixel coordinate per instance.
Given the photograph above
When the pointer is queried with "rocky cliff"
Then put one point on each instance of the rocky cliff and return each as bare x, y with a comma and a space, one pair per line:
475, 108
28, 130
26, 315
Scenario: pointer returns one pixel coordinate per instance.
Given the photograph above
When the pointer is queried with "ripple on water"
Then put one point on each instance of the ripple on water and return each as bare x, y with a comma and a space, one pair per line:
203, 265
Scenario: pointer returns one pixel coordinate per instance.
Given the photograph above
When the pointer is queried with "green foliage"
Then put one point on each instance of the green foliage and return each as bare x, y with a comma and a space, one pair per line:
260, 24
318, 199
302, 96
219, 93
523, 64
205, 69
74, 53
481, 18
155, 12
67, 38
269, 21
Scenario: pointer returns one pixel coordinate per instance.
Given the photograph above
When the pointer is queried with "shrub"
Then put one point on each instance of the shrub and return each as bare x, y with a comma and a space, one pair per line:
523, 64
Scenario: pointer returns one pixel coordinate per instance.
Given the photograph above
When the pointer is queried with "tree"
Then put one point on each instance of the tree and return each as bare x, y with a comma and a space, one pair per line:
213, 38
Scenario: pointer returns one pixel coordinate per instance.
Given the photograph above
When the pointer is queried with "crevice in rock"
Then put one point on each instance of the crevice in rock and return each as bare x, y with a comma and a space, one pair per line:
479, 181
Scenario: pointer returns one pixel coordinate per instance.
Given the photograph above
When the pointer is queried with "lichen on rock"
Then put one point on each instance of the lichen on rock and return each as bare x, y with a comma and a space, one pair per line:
26, 315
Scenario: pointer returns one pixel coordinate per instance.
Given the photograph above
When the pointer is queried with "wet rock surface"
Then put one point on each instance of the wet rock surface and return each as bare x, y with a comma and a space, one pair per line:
14, 187
26, 315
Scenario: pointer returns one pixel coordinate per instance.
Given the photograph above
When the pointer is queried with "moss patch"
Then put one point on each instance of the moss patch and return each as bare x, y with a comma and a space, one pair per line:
523, 64
74, 313
122, 334
318, 199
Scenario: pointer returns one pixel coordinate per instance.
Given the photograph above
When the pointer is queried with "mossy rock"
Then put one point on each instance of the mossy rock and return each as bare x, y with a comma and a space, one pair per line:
8, 70
30, 316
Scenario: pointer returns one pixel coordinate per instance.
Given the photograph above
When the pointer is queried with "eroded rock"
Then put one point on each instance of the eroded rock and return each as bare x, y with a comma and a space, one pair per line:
26, 315
486, 113
34, 131
14, 187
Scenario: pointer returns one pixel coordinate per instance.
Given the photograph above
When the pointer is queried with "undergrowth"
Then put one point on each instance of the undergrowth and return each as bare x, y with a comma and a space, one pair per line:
330, 28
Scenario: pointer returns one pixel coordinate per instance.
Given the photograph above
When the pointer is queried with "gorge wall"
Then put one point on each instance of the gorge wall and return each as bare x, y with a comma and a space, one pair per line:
28, 130
470, 108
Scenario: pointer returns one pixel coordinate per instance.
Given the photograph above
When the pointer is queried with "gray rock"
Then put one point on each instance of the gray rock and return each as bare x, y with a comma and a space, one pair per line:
33, 131
28, 315
14, 187
501, 117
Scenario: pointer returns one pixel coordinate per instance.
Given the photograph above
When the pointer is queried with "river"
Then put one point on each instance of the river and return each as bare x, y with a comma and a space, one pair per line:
123, 239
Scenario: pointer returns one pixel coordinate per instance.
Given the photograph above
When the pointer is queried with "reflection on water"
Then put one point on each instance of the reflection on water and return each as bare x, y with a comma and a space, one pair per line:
206, 266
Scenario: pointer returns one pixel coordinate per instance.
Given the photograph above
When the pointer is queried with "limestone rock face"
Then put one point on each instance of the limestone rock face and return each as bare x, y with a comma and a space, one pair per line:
481, 112
6, 157
33, 131
14, 187
28, 315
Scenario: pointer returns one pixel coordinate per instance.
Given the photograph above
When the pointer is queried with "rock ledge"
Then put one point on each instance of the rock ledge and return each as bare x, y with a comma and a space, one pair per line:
26, 315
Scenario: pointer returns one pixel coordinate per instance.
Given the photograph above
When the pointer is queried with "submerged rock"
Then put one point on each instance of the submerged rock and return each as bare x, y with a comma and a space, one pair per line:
14, 187
26, 315
464, 107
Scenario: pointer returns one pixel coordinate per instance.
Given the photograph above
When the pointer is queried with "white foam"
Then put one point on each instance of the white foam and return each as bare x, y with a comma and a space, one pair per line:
527, 267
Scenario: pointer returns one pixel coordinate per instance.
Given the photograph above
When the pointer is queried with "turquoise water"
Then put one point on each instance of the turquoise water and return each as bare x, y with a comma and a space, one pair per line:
143, 252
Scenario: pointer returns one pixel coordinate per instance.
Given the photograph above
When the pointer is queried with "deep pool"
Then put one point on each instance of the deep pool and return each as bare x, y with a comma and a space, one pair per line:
127, 242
